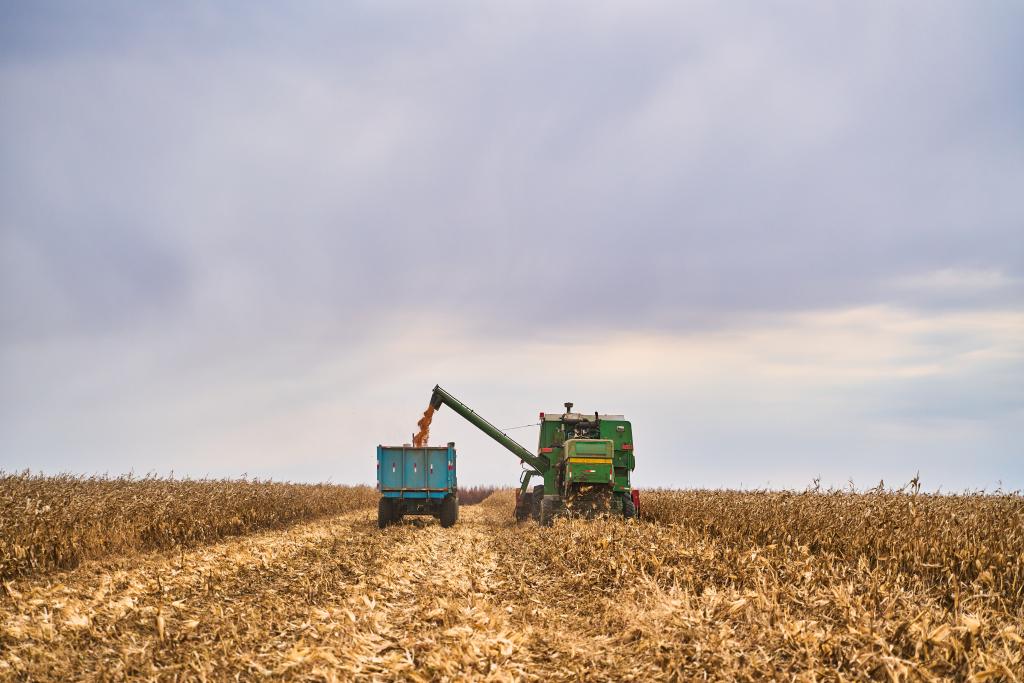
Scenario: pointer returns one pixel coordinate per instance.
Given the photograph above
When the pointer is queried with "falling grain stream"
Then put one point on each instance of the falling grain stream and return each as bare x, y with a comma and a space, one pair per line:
419, 440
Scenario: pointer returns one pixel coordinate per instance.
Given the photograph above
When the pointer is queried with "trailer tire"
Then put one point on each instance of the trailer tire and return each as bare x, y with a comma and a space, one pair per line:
449, 511
384, 514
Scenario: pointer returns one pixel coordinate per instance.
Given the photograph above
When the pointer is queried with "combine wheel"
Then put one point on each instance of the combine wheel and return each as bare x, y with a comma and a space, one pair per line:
538, 496
525, 507
548, 507
449, 511
628, 508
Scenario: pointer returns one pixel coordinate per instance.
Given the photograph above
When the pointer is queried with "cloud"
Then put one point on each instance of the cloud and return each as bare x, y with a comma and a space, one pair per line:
959, 280
964, 288
862, 394
202, 208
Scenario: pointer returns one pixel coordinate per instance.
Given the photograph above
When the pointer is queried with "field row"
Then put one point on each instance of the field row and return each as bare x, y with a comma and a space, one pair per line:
57, 522
949, 541
490, 599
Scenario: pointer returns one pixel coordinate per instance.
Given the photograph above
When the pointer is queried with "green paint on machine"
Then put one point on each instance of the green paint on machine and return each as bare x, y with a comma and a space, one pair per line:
584, 461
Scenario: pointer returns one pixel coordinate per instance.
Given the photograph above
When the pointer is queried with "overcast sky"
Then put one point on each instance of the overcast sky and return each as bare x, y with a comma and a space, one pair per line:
785, 239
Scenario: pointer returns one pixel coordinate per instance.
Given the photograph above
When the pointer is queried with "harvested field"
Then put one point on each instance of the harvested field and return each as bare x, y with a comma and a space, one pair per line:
666, 598
57, 522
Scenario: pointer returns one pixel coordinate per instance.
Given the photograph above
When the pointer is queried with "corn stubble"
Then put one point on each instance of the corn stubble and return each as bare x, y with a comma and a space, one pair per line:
734, 586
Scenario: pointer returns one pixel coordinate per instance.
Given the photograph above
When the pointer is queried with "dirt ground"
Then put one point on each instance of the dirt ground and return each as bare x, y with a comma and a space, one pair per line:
341, 600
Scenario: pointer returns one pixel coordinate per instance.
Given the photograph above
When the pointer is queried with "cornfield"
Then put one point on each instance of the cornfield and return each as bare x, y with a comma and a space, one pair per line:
472, 495
57, 522
706, 585
951, 542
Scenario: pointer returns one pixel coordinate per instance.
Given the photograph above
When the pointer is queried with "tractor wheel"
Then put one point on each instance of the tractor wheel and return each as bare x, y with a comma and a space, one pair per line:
538, 496
628, 509
525, 507
384, 513
449, 511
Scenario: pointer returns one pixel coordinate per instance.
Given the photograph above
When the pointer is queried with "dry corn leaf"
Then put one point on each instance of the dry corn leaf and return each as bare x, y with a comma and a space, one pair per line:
971, 624
817, 586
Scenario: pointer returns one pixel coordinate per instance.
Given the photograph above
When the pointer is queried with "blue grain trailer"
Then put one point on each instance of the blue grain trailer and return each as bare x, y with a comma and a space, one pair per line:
417, 481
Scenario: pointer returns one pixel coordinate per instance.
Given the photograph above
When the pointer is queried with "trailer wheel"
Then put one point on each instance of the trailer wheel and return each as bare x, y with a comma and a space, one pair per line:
384, 516
449, 511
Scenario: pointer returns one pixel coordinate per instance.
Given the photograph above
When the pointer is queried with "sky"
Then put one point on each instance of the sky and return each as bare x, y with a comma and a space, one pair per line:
786, 240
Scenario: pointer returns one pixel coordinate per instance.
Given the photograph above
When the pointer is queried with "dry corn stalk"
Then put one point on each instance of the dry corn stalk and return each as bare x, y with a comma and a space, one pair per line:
723, 585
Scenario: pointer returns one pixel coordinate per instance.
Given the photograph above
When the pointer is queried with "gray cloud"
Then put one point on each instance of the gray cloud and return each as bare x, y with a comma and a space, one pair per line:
192, 188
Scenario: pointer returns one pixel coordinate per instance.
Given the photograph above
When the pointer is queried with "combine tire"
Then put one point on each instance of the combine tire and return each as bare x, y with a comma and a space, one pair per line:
538, 496
525, 507
449, 511
628, 509
384, 513
547, 512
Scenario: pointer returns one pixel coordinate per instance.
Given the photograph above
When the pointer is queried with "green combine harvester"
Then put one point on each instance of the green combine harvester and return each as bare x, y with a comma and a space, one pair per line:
583, 460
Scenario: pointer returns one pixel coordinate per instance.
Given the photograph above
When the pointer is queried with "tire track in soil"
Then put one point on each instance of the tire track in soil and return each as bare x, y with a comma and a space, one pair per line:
204, 614
330, 600
456, 603
437, 608
572, 633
